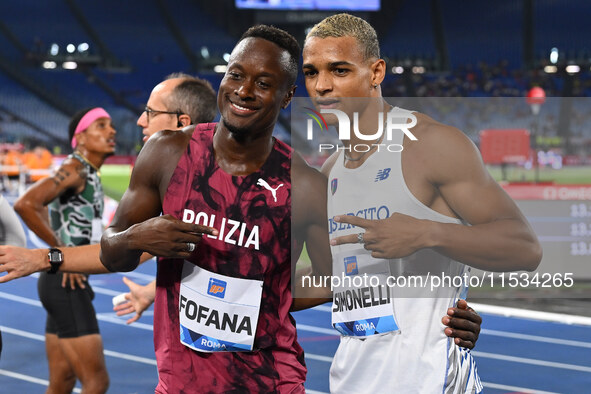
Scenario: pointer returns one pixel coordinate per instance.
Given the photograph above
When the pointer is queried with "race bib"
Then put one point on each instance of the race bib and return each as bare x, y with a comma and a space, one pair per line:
218, 313
362, 303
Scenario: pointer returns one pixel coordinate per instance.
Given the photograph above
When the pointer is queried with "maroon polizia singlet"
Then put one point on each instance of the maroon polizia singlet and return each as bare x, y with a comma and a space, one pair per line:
198, 184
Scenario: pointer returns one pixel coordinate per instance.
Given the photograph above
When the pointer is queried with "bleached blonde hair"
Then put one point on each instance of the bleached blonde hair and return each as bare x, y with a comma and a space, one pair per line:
346, 25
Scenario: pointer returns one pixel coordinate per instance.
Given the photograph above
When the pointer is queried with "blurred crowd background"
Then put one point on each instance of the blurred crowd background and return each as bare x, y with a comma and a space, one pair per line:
57, 56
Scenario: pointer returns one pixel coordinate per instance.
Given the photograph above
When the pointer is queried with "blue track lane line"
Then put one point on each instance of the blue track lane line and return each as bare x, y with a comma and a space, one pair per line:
513, 354
30, 379
110, 353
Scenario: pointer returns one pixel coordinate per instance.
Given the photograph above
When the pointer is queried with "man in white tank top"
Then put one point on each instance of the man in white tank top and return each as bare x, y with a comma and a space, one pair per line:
429, 208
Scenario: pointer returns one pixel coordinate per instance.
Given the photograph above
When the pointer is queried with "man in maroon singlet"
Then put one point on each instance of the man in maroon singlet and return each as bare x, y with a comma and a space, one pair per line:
233, 177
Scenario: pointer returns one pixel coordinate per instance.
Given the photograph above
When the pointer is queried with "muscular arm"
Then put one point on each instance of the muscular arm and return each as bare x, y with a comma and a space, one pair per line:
499, 237
18, 262
136, 226
31, 206
308, 297
310, 223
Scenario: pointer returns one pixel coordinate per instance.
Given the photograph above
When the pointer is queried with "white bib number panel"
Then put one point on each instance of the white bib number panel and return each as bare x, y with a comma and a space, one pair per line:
362, 304
218, 313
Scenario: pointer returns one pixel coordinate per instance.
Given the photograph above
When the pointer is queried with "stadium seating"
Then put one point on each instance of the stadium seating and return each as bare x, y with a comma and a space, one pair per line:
483, 42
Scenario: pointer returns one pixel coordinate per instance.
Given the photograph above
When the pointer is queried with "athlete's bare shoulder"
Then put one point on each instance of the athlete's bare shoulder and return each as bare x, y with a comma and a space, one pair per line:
308, 185
431, 132
173, 138
164, 145
189, 129
159, 157
75, 164
71, 174
440, 150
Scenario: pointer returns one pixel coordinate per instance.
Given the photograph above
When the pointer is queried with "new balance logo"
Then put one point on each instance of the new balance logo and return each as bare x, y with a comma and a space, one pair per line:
382, 174
263, 183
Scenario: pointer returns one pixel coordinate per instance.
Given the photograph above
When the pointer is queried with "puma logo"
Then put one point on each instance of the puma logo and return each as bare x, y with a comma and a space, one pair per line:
263, 183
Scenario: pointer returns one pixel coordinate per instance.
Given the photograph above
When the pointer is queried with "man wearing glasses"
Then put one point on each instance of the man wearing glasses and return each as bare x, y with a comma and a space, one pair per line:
178, 101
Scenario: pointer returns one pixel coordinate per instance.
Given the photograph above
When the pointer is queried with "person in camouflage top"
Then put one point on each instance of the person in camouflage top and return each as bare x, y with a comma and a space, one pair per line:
66, 210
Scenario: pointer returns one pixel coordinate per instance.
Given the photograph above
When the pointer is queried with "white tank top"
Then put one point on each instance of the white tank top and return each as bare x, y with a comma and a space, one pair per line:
413, 355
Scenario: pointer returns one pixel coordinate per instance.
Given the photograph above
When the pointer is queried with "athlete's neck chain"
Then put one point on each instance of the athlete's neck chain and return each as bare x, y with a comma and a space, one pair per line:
98, 171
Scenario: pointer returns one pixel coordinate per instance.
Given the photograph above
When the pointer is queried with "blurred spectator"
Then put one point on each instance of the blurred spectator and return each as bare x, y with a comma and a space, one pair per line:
38, 159
12, 160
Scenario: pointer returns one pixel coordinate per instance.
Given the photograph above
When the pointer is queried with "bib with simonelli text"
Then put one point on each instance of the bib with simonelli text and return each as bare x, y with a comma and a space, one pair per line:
362, 303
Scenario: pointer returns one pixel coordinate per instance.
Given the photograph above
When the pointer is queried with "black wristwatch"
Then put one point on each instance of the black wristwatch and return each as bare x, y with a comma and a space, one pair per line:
56, 258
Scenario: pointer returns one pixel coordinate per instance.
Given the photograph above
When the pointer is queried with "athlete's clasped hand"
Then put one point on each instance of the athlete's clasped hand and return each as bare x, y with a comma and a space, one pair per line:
463, 324
166, 236
395, 237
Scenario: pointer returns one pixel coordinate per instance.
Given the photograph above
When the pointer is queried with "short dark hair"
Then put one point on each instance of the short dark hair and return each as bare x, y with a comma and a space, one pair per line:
283, 40
74, 120
193, 96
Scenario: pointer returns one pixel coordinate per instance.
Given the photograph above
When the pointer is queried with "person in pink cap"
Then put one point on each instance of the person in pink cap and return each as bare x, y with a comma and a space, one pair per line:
66, 210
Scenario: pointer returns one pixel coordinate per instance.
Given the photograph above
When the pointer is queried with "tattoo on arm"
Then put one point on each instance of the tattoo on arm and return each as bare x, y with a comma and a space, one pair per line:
63, 173
60, 176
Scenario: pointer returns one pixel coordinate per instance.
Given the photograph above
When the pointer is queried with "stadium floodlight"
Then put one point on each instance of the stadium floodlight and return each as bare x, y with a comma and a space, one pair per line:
226, 57
50, 65
550, 69
573, 69
71, 48
418, 70
397, 70
54, 49
83, 47
554, 55
204, 52
220, 68
70, 65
